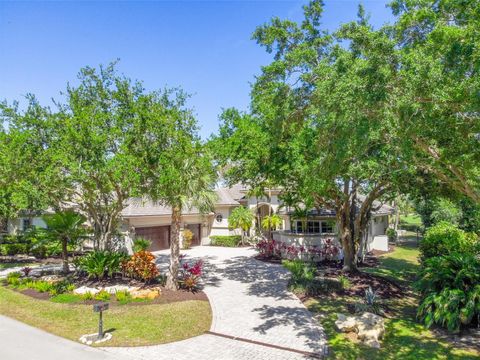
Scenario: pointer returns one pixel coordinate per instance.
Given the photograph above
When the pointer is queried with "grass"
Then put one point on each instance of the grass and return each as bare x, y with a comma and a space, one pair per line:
412, 219
405, 338
130, 325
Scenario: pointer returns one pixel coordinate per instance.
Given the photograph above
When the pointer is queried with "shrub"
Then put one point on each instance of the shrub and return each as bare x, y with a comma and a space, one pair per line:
190, 275
14, 249
102, 295
88, 296
450, 290
141, 266
345, 282
302, 272
44, 286
445, 238
123, 296
187, 239
141, 244
225, 240
13, 279
39, 251
392, 235
99, 264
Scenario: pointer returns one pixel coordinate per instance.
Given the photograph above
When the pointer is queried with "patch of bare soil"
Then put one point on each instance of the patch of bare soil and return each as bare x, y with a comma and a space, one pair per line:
35, 294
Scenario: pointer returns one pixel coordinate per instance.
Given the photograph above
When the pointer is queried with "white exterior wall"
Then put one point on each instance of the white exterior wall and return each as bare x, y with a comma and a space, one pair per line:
16, 225
221, 228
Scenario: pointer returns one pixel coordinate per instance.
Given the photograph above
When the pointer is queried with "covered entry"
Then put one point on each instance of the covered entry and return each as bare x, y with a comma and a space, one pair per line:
158, 235
196, 229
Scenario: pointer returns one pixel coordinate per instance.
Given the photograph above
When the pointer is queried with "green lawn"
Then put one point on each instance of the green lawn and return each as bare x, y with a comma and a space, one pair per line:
405, 338
130, 325
412, 219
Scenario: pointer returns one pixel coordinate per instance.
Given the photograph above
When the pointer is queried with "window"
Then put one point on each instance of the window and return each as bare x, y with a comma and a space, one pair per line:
315, 227
219, 218
327, 227
26, 224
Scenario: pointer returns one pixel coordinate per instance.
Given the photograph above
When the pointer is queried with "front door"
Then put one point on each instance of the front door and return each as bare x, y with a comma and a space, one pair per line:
196, 229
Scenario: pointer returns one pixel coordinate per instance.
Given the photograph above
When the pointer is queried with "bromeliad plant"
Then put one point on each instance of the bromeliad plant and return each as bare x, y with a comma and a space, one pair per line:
190, 274
101, 264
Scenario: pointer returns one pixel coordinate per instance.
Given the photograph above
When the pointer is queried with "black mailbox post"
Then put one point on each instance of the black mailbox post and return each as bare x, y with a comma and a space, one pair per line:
100, 308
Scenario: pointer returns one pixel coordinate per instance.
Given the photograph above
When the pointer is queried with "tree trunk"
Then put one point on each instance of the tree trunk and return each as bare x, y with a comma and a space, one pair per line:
172, 279
65, 269
346, 237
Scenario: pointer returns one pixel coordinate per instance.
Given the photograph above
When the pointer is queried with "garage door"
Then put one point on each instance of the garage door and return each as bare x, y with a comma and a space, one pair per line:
158, 235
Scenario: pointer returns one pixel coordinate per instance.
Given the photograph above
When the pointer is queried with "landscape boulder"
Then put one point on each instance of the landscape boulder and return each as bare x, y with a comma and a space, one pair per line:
369, 327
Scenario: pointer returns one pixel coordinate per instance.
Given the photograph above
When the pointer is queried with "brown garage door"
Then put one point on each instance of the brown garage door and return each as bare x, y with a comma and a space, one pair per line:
158, 235
196, 229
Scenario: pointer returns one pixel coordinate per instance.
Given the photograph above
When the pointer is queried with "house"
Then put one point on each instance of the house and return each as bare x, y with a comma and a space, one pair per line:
144, 218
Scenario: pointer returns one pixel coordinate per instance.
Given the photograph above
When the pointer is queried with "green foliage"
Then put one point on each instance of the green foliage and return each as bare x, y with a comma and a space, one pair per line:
88, 296
141, 266
66, 298
450, 289
345, 282
445, 238
102, 295
370, 303
392, 234
225, 240
100, 264
271, 222
302, 272
241, 217
123, 297
13, 278
141, 244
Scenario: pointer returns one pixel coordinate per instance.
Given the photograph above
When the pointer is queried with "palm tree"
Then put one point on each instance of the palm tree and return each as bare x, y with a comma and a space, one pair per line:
271, 222
242, 218
192, 187
66, 227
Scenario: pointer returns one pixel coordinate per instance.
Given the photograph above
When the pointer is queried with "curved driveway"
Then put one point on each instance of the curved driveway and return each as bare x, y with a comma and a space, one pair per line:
254, 316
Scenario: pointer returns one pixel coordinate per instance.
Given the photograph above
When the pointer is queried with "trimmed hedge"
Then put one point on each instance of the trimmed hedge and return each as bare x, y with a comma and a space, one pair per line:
225, 240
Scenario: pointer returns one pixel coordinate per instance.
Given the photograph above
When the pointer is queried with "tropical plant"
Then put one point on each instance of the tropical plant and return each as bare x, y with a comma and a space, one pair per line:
445, 238
345, 282
302, 272
26, 271
102, 295
271, 222
123, 296
99, 264
141, 244
370, 303
187, 236
450, 290
13, 278
190, 274
141, 265
241, 218
66, 227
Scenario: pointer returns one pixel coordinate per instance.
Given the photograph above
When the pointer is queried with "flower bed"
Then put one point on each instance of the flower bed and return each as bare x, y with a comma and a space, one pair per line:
273, 249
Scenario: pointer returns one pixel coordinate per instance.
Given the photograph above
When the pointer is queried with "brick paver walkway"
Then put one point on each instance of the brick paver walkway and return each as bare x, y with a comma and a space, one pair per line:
254, 316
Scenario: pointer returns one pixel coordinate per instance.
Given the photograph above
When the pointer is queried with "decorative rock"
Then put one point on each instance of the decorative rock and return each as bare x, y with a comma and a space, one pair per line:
113, 289
84, 289
52, 278
369, 327
345, 324
149, 294
90, 339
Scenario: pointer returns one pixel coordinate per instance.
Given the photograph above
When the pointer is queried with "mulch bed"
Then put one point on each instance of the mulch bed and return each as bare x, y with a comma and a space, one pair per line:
360, 281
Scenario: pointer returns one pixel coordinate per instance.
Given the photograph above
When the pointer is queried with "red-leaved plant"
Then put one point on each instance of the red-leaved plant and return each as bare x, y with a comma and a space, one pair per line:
190, 274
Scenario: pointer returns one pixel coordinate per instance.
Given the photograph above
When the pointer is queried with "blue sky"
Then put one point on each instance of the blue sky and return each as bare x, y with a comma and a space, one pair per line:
203, 47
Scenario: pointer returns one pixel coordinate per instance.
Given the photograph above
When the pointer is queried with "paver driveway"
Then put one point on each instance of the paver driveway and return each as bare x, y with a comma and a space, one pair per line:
254, 316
